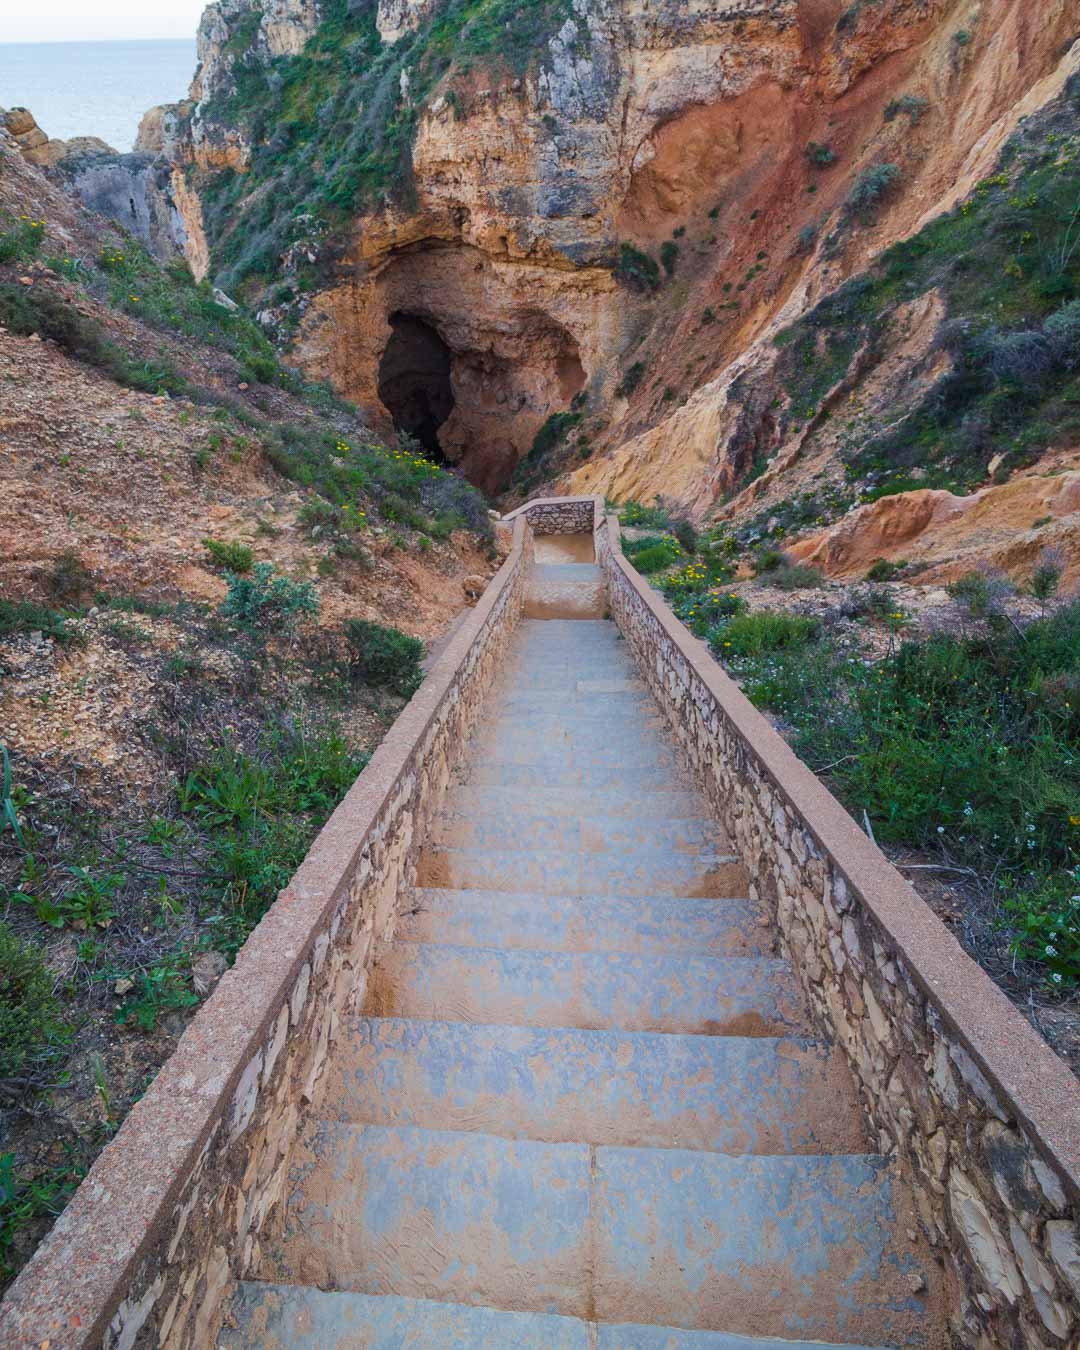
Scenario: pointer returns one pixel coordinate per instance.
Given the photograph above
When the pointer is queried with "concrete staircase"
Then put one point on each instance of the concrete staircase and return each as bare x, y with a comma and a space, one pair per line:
582, 1108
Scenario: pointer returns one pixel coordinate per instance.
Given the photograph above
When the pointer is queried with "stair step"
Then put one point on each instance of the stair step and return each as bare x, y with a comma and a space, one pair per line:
631, 778
296, 1317
793, 1246
662, 924
535, 738
672, 1338
553, 628
656, 803
501, 828
647, 871
695, 995
797, 1247
553, 633
721, 1094
574, 571
610, 659
622, 706
565, 758
572, 681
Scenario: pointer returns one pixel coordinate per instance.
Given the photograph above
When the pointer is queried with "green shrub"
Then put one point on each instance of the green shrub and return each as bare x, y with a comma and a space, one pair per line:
1044, 916
703, 610
165, 987
259, 814
764, 631
656, 557
807, 237
980, 593
636, 269
20, 239
637, 515
631, 379
229, 554
870, 187
23, 616
768, 560
384, 657
1062, 330
26, 1199
1046, 578
794, 577
972, 742
882, 570
317, 514
550, 436
26, 310
820, 156
686, 533
633, 546
871, 602
9, 809
268, 601
68, 579
30, 1021
914, 105
669, 256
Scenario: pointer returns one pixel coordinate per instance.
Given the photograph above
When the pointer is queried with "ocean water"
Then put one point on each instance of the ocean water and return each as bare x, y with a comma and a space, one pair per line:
94, 88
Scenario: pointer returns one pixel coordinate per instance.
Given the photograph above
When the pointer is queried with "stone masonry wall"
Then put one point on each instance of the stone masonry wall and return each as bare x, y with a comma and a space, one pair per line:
175, 1209
980, 1115
558, 515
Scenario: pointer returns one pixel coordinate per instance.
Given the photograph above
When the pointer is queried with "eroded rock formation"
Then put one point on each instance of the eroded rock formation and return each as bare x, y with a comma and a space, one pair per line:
727, 139
42, 150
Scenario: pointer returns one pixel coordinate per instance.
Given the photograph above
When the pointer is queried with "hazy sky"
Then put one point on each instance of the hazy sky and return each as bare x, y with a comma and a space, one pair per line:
90, 20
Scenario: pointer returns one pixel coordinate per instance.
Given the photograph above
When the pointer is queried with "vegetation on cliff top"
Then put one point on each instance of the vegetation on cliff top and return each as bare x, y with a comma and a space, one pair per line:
332, 129
319, 442
1006, 263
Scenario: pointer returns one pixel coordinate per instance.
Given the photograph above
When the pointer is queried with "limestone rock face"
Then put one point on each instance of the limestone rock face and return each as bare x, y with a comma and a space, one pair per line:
230, 29
147, 196
632, 124
161, 129
287, 25
37, 148
395, 18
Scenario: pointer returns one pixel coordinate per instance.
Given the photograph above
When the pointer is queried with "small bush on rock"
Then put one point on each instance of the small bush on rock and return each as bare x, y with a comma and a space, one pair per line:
1046, 578
882, 570
870, 187
636, 269
658, 555
765, 631
981, 593
229, 554
29, 1014
1062, 331
914, 105
385, 657
268, 601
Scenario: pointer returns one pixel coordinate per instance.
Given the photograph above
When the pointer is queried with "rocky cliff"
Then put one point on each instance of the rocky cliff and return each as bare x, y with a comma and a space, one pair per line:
573, 235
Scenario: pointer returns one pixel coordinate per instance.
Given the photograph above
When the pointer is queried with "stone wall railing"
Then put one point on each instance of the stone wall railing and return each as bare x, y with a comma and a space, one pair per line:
175, 1208
560, 515
982, 1117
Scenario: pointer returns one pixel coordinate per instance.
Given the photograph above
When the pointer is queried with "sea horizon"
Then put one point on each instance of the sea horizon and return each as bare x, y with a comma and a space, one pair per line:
95, 86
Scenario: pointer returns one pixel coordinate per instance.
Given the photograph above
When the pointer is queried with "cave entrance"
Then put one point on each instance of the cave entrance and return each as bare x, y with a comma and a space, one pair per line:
414, 381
